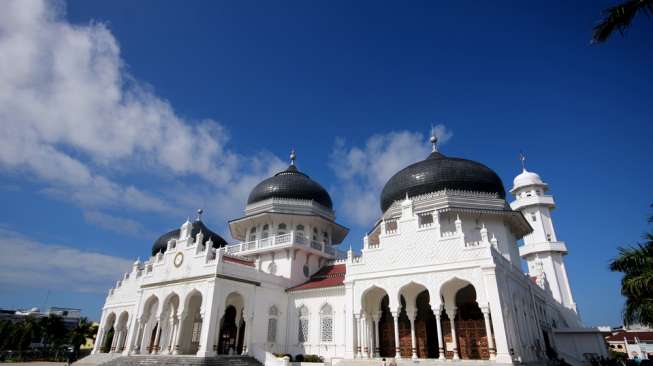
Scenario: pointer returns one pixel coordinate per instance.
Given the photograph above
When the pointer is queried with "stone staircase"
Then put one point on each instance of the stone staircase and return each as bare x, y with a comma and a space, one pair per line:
146, 360
417, 362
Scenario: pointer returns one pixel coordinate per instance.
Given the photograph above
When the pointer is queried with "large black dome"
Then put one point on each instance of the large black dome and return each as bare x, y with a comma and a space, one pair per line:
438, 172
161, 244
290, 183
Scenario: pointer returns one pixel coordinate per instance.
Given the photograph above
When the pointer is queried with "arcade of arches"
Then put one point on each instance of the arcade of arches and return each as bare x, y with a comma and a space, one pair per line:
162, 329
417, 330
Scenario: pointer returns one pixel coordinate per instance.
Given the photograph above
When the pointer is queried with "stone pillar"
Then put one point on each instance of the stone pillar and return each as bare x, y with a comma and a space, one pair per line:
375, 326
438, 321
357, 318
114, 340
501, 344
364, 331
180, 329
98, 341
452, 314
238, 336
395, 316
138, 334
248, 332
157, 337
413, 340
488, 333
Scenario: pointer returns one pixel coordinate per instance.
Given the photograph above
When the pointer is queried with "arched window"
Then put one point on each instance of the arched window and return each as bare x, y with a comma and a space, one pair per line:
272, 324
326, 323
300, 230
252, 234
325, 237
265, 233
302, 329
315, 234
282, 229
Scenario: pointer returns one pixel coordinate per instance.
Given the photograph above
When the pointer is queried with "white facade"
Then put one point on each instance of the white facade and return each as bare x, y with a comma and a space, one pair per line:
439, 276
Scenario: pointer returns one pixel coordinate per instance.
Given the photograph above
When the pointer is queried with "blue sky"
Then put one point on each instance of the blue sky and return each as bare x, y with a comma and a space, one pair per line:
119, 119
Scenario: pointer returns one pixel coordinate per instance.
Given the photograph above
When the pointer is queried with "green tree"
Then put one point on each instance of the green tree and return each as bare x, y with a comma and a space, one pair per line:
636, 263
619, 17
54, 331
81, 332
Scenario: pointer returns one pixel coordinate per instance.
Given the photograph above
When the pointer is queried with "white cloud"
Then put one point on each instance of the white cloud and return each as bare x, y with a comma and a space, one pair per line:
29, 263
117, 224
74, 119
362, 171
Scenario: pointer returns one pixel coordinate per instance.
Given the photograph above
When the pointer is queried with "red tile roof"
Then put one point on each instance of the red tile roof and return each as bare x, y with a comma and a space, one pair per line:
242, 261
328, 276
631, 335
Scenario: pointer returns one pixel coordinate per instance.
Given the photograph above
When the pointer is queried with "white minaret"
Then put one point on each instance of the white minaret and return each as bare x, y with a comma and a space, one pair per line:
541, 250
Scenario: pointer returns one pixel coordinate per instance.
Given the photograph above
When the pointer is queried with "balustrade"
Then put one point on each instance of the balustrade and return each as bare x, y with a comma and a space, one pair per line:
296, 238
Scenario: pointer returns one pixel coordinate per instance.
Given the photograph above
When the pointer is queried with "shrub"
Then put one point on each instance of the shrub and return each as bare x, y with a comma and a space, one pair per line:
280, 355
313, 358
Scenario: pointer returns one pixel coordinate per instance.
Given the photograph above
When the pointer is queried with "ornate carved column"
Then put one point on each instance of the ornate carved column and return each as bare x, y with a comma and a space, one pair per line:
364, 330
452, 314
157, 337
488, 332
413, 340
98, 341
357, 318
248, 332
180, 328
114, 340
438, 320
375, 328
395, 316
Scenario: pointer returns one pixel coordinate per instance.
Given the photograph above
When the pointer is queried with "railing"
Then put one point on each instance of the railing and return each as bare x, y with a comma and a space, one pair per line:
291, 238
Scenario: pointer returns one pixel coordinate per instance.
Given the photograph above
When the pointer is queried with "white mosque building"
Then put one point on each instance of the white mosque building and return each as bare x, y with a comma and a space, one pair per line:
439, 277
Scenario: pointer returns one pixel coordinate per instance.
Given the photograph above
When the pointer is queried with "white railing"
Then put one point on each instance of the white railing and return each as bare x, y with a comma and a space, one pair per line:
291, 238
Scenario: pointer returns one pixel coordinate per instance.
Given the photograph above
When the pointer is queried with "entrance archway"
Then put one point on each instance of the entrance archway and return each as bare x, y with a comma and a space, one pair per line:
191, 327
386, 329
426, 332
468, 340
416, 312
109, 332
232, 326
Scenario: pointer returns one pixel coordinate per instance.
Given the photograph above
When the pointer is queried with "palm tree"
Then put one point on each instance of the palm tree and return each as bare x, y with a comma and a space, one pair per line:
619, 17
636, 263
81, 332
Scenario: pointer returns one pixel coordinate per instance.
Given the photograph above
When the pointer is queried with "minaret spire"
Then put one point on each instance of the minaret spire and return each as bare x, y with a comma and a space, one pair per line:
522, 158
434, 140
199, 214
293, 156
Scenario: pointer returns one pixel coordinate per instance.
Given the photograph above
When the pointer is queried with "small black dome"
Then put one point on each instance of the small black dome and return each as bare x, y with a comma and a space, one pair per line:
161, 244
438, 172
290, 183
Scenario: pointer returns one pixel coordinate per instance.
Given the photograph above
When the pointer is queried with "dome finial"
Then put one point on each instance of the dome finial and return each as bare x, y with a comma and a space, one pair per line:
522, 158
293, 156
199, 214
434, 140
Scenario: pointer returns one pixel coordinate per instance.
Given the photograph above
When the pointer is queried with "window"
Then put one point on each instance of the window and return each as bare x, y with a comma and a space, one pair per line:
325, 237
272, 324
265, 233
326, 323
300, 231
302, 330
282, 229
533, 218
315, 234
305, 270
252, 234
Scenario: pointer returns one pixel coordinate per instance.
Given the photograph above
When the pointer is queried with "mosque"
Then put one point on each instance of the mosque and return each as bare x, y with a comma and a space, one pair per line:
439, 278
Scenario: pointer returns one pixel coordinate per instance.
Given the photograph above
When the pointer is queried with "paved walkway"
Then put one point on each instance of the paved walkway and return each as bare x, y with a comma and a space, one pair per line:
36, 363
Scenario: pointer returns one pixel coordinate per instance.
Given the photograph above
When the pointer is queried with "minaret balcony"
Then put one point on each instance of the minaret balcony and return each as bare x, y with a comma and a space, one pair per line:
522, 202
292, 239
547, 246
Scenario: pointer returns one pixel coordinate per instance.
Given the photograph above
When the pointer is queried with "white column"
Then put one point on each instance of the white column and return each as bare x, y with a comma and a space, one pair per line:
375, 328
365, 329
114, 340
180, 328
359, 353
248, 332
438, 321
452, 314
413, 340
157, 337
488, 332
142, 345
500, 332
395, 316
98, 341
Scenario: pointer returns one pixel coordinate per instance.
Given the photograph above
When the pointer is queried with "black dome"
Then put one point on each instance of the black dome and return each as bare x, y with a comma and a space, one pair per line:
438, 172
290, 183
161, 244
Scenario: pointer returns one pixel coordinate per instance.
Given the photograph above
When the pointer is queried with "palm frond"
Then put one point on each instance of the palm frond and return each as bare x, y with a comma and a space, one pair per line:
619, 18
